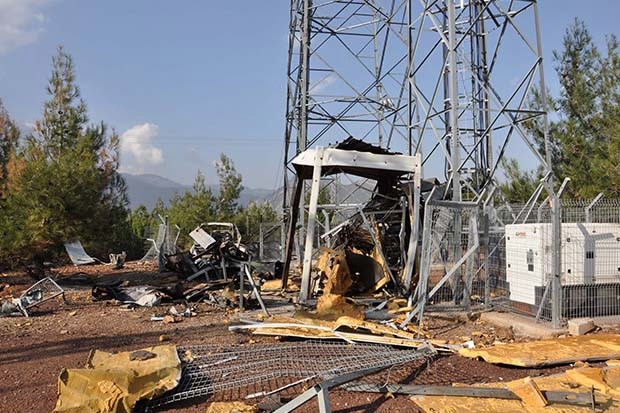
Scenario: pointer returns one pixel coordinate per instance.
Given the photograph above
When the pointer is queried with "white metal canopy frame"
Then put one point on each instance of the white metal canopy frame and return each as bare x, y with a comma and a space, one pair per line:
315, 163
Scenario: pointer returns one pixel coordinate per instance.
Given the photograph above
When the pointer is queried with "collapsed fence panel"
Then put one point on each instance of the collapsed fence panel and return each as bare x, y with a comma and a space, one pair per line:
263, 369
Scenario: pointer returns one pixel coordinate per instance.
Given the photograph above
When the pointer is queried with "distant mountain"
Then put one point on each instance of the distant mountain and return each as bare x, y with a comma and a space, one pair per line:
146, 189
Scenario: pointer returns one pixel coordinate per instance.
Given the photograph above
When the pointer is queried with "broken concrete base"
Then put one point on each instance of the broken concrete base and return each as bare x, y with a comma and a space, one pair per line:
580, 326
608, 321
521, 325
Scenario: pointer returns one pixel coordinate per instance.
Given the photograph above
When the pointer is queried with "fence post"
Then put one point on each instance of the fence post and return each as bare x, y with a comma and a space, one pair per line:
556, 265
589, 207
261, 242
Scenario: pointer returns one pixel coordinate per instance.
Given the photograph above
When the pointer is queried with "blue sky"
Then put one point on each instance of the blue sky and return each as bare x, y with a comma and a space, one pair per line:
186, 81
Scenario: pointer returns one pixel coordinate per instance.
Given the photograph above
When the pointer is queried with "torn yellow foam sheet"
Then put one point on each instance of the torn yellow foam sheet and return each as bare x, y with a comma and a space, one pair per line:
113, 383
528, 392
555, 351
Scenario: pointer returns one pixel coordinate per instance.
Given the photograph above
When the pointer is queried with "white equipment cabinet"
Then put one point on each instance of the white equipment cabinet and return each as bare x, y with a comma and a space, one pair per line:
590, 256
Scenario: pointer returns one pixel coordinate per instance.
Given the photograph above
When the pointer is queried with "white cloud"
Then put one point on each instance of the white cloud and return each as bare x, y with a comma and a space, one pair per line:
21, 22
137, 142
323, 84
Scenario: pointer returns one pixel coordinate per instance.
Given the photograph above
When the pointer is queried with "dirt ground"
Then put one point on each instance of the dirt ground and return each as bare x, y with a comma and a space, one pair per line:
60, 334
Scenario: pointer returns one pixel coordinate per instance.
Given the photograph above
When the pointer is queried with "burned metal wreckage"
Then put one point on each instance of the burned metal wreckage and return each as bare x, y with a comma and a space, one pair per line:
219, 257
376, 246
214, 265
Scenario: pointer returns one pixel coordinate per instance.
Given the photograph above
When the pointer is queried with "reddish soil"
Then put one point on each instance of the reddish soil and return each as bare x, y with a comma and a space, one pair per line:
61, 334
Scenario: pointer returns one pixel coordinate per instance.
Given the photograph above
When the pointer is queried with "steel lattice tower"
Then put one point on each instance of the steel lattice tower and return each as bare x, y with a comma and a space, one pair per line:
450, 79
459, 82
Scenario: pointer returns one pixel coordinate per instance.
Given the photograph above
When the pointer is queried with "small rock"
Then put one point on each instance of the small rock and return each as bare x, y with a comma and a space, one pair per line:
168, 319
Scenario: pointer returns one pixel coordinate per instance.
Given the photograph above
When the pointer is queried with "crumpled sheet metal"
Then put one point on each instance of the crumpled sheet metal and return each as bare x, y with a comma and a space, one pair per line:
141, 295
550, 352
307, 325
572, 380
113, 383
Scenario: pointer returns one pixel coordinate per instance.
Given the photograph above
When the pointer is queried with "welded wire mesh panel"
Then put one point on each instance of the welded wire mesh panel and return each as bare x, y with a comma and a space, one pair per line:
597, 211
156, 243
256, 370
589, 252
451, 247
266, 245
41, 291
496, 289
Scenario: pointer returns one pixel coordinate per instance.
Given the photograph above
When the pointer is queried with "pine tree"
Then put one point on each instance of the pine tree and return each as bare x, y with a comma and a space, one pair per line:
584, 130
230, 188
578, 70
606, 164
141, 222
520, 184
9, 137
584, 137
65, 184
249, 219
192, 208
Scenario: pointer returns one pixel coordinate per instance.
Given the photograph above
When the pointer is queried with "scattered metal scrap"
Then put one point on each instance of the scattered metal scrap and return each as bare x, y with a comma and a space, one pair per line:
41, 291
173, 315
140, 295
551, 396
585, 389
77, 254
321, 391
118, 260
345, 328
217, 254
